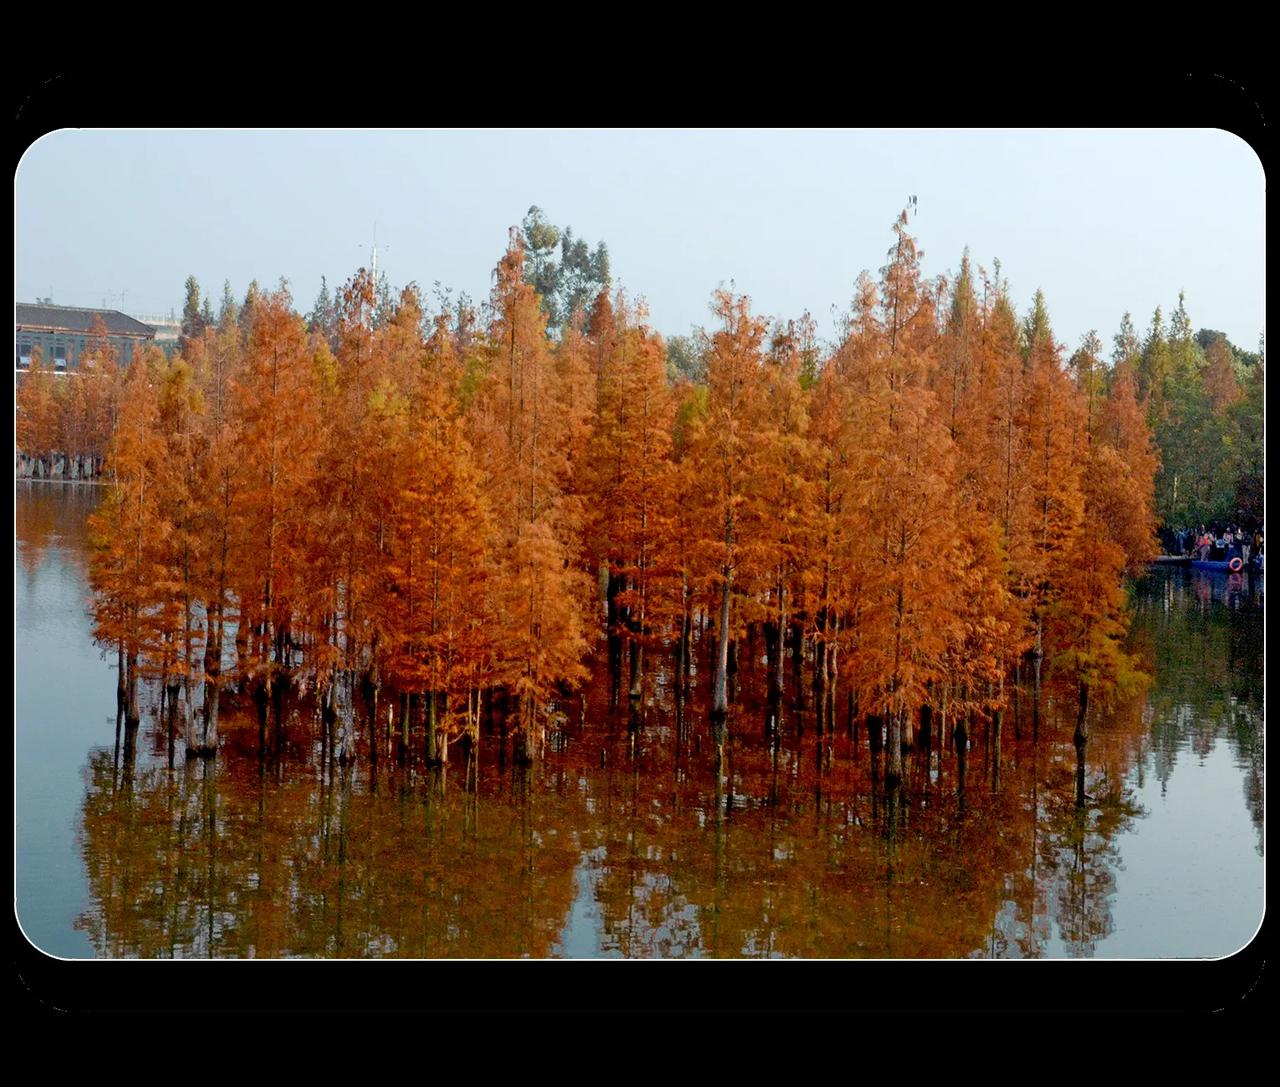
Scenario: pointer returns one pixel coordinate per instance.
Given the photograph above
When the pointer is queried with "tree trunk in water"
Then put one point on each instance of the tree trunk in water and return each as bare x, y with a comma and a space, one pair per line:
797, 662
132, 714
474, 749
365, 690
961, 736
171, 719
906, 736
130, 746
833, 677
279, 691
122, 686
820, 685
613, 622
502, 725
212, 686
637, 669
1081, 740
346, 734
213, 643
893, 772
404, 728
261, 701
997, 727
191, 741
772, 715
524, 743
720, 704
209, 735
773, 636
1036, 658
892, 809
329, 704
686, 638
242, 642
433, 751
1017, 700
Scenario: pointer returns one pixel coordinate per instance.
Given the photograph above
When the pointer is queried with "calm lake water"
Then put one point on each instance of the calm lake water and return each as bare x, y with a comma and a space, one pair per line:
626, 839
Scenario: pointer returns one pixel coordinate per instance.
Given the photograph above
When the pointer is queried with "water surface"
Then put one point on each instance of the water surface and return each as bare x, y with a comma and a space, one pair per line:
626, 839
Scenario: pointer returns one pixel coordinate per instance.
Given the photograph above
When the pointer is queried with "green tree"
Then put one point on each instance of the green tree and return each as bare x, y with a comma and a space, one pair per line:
541, 272
1086, 366
567, 287
1153, 368
1247, 454
194, 320
685, 361
1128, 348
1036, 333
228, 311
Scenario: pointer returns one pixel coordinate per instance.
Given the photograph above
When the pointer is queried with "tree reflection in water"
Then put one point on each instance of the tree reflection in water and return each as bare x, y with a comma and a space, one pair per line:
782, 849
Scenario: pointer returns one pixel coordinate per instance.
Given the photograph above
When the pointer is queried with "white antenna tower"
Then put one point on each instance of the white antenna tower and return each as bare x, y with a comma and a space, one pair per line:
373, 256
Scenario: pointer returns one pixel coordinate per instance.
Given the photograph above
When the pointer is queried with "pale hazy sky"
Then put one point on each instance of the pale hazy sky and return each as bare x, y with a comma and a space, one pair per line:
1103, 221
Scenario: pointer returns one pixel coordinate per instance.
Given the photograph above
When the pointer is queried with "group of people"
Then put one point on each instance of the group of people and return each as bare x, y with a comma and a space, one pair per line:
1222, 543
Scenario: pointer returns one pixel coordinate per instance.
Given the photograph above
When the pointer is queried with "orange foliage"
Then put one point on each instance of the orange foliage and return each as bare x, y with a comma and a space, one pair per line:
392, 513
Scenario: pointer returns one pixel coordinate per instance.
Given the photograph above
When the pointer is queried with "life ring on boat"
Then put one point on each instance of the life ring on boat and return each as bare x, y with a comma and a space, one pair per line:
1235, 565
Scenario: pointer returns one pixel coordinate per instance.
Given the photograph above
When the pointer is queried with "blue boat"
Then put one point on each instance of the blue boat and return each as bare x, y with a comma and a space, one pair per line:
1210, 564
1225, 566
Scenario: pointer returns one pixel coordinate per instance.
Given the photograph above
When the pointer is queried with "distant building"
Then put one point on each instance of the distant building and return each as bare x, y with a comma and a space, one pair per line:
168, 329
62, 332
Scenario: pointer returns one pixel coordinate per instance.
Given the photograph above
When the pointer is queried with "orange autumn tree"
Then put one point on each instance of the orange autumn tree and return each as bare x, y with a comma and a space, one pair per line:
382, 393
1124, 499
179, 543
1088, 620
835, 571
329, 513
1052, 422
361, 433
686, 523
439, 642
538, 596
89, 402
978, 380
36, 421
778, 501
628, 488
723, 457
958, 354
577, 391
275, 405
216, 358
122, 572
407, 511
994, 457
905, 512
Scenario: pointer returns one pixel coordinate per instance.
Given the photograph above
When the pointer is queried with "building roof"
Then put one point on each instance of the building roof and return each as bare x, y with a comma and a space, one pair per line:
75, 319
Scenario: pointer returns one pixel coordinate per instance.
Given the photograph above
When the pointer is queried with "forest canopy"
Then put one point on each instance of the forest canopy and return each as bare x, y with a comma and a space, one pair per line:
432, 514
